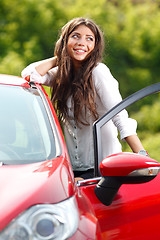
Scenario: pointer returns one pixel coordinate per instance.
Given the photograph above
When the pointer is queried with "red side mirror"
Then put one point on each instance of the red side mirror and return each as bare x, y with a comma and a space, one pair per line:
123, 168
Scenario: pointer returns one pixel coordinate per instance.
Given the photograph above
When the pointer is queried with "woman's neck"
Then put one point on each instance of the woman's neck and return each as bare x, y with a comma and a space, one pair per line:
77, 66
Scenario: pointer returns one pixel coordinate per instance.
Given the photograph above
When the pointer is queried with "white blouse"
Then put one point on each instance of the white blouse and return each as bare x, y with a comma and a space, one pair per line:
79, 139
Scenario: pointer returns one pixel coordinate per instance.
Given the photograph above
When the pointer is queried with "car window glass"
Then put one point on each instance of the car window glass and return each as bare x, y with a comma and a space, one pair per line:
26, 134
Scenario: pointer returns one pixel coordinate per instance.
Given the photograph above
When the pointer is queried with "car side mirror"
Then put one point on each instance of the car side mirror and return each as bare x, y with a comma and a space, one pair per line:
123, 168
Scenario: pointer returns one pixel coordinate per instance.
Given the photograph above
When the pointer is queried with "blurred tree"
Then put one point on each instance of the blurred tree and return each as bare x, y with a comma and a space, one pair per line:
28, 28
131, 29
149, 117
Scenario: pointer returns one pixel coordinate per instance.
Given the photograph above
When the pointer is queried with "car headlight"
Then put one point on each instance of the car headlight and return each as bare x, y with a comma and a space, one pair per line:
44, 222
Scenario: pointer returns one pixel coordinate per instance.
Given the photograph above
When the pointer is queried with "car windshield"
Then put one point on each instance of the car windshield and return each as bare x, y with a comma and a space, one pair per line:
26, 135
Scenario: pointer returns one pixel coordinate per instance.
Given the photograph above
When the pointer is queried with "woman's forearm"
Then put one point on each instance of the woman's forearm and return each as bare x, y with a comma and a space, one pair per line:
45, 65
134, 143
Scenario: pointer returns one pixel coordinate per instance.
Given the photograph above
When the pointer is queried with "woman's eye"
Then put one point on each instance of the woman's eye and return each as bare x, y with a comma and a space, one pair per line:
90, 39
75, 36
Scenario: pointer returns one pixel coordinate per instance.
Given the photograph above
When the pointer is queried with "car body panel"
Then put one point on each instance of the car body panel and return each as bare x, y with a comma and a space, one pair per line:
88, 223
26, 185
134, 213
13, 80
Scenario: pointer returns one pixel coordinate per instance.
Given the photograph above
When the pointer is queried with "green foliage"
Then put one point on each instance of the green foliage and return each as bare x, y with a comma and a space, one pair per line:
13, 63
28, 29
152, 143
149, 118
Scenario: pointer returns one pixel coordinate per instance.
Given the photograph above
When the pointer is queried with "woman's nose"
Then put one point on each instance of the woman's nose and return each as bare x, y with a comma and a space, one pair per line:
81, 41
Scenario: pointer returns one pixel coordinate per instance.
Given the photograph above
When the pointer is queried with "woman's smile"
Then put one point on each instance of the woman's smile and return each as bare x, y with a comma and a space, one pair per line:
79, 51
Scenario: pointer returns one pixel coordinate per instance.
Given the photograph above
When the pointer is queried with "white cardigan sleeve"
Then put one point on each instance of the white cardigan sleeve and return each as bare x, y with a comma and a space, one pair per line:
107, 89
36, 77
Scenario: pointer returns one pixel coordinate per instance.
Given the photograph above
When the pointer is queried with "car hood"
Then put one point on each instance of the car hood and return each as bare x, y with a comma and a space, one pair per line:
25, 185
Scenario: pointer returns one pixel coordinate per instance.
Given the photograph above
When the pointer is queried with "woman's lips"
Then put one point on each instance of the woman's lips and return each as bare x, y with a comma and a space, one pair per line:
80, 50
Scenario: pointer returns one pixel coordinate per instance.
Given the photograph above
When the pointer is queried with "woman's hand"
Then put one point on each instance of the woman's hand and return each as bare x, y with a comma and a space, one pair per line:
78, 179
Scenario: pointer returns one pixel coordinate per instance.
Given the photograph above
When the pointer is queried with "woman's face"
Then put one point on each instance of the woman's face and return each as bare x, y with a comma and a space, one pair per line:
80, 44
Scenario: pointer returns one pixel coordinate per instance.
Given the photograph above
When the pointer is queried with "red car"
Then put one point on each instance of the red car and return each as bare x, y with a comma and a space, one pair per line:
39, 199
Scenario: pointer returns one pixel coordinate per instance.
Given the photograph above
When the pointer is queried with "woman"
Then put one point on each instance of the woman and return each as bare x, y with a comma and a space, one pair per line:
83, 90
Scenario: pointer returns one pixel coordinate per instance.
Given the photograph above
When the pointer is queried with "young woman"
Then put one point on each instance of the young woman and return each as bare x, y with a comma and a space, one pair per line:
83, 89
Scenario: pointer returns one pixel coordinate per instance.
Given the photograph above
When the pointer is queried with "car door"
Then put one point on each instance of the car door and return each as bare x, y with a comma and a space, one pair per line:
133, 214
134, 211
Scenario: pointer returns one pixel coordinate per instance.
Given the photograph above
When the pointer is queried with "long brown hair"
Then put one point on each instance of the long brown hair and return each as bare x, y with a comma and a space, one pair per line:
79, 85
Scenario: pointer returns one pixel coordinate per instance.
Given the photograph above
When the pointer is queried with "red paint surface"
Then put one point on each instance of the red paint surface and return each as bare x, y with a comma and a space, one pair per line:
133, 215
